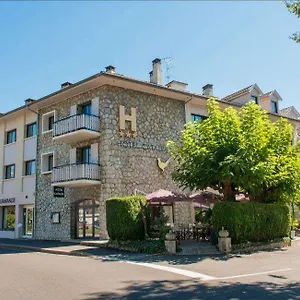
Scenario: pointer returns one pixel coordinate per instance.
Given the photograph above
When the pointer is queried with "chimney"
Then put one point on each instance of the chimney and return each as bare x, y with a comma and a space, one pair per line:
156, 74
177, 85
208, 90
110, 69
65, 84
28, 101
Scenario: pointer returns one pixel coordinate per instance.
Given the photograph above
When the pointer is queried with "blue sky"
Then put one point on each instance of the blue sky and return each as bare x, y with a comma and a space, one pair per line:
229, 44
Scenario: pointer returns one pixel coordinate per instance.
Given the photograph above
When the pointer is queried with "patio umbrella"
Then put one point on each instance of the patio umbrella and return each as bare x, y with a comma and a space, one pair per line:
205, 198
165, 197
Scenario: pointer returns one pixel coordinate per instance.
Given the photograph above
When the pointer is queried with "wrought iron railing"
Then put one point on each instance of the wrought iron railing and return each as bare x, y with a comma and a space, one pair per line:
72, 172
76, 122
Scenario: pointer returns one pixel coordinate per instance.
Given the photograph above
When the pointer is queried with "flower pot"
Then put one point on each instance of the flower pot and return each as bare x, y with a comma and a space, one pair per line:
223, 233
170, 236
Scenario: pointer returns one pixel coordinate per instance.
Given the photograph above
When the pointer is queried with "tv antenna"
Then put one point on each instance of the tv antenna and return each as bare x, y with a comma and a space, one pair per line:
169, 65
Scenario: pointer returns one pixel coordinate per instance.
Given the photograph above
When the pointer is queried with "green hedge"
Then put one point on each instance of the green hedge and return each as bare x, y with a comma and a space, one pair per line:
253, 222
124, 218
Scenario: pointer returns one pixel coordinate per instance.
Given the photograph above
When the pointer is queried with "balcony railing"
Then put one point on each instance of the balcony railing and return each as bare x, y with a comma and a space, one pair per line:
84, 174
75, 123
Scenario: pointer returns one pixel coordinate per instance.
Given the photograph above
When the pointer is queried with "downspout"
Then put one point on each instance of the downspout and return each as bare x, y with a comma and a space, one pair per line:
35, 189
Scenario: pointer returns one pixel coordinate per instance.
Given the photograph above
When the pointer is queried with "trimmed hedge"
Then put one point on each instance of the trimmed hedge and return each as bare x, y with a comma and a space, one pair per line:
251, 222
124, 218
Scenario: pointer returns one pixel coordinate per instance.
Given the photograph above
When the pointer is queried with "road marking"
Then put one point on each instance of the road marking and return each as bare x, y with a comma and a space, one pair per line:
251, 274
186, 273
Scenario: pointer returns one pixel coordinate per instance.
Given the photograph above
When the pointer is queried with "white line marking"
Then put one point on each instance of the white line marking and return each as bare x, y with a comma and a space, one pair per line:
186, 273
252, 274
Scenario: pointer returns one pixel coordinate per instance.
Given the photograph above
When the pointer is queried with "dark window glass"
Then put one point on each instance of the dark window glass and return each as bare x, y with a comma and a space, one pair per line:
31, 130
85, 155
11, 136
254, 98
86, 108
30, 167
197, 117
10, 171
50, 162
8, 218
50, 123
274, 107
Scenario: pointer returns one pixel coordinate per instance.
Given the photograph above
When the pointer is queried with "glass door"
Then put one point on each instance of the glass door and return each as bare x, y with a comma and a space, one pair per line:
28, 221
87, 226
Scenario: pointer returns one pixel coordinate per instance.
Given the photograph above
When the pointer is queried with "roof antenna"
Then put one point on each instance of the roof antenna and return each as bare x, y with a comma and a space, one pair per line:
168, 65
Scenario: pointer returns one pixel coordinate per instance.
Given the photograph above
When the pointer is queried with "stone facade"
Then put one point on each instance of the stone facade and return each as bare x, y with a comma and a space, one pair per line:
125, 166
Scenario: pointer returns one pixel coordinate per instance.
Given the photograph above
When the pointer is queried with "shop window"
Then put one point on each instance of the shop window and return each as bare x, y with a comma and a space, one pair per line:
8, 218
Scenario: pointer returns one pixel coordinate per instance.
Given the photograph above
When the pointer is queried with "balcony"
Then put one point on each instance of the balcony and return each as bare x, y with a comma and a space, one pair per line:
76, 175
76, 128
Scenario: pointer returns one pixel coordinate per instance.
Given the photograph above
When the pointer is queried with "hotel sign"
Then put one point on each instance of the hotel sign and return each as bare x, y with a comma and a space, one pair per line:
59, 192
7, 200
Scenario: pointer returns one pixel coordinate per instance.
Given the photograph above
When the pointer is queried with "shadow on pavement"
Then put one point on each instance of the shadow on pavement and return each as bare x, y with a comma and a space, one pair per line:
195, 290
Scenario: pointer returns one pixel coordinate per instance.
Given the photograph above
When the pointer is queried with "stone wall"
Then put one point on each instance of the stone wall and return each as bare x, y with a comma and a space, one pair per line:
124, 166
184, 212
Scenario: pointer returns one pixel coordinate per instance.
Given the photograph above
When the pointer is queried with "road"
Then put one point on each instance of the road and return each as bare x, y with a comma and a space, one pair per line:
267, 275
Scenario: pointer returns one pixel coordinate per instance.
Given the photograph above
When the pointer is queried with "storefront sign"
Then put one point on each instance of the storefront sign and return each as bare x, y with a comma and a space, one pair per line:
140, 145
59, 192
7, 200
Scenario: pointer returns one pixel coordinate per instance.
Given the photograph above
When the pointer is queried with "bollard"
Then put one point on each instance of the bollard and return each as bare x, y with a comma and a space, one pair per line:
170, 242
224, 241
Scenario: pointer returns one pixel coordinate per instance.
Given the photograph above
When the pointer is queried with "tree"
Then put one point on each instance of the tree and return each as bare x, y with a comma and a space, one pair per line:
294, 8
238, 151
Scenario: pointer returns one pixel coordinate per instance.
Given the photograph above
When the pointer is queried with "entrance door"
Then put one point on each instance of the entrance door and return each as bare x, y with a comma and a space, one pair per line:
28, 221
87, 217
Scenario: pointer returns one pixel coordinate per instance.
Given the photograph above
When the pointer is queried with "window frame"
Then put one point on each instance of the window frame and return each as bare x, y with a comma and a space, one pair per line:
81, 107
46, 156
276, 107
82, 155
48, 115
254, 98
201, 117
10, 173
7, 136
26, 169
34, 130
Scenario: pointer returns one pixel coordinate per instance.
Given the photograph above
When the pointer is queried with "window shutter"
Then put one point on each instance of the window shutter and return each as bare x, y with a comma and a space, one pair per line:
94, 153
95, 106
73, 155
73, 110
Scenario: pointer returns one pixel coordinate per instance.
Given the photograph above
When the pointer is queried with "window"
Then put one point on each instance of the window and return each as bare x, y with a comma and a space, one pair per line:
195, 117
8, 218
11, 136
48, 121
274, 107
84, 155
30, 167
10, 171
85, 108
47, 162
254, 98
31, 130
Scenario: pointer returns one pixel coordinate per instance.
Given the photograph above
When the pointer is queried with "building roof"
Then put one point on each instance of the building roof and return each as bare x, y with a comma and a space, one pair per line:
237, 93
288, 110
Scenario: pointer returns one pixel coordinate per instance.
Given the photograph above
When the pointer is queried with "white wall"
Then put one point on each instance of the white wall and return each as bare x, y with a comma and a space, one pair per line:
30, 148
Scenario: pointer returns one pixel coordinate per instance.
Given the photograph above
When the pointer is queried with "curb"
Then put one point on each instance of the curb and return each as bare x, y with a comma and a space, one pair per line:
45, 250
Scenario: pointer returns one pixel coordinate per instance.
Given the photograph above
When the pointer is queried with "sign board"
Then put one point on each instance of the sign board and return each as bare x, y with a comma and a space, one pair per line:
7, 200
59, 192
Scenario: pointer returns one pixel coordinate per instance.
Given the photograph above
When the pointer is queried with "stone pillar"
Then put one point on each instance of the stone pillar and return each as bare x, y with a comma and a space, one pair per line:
170, 242
224, 241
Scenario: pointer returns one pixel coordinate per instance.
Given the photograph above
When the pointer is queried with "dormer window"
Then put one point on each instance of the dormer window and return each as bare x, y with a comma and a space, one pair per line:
274, 107
254, 98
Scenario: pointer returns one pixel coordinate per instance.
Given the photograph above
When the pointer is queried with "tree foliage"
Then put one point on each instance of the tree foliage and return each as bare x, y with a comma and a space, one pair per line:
238, 151
294, 8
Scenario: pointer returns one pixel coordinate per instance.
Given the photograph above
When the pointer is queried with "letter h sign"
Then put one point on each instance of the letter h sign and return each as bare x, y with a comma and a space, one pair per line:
130, 118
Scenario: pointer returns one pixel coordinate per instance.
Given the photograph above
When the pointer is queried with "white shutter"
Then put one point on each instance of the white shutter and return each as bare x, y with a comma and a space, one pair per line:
94, 153
73, 155
95, 106
73, 110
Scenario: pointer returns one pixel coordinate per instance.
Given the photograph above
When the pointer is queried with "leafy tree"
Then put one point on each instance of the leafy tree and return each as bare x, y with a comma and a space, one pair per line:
238, 151
294, 8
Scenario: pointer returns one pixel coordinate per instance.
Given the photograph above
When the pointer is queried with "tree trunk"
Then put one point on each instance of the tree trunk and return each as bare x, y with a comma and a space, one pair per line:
228, 191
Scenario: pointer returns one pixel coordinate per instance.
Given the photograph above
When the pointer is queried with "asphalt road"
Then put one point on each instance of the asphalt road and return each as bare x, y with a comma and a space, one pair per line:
268, 275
